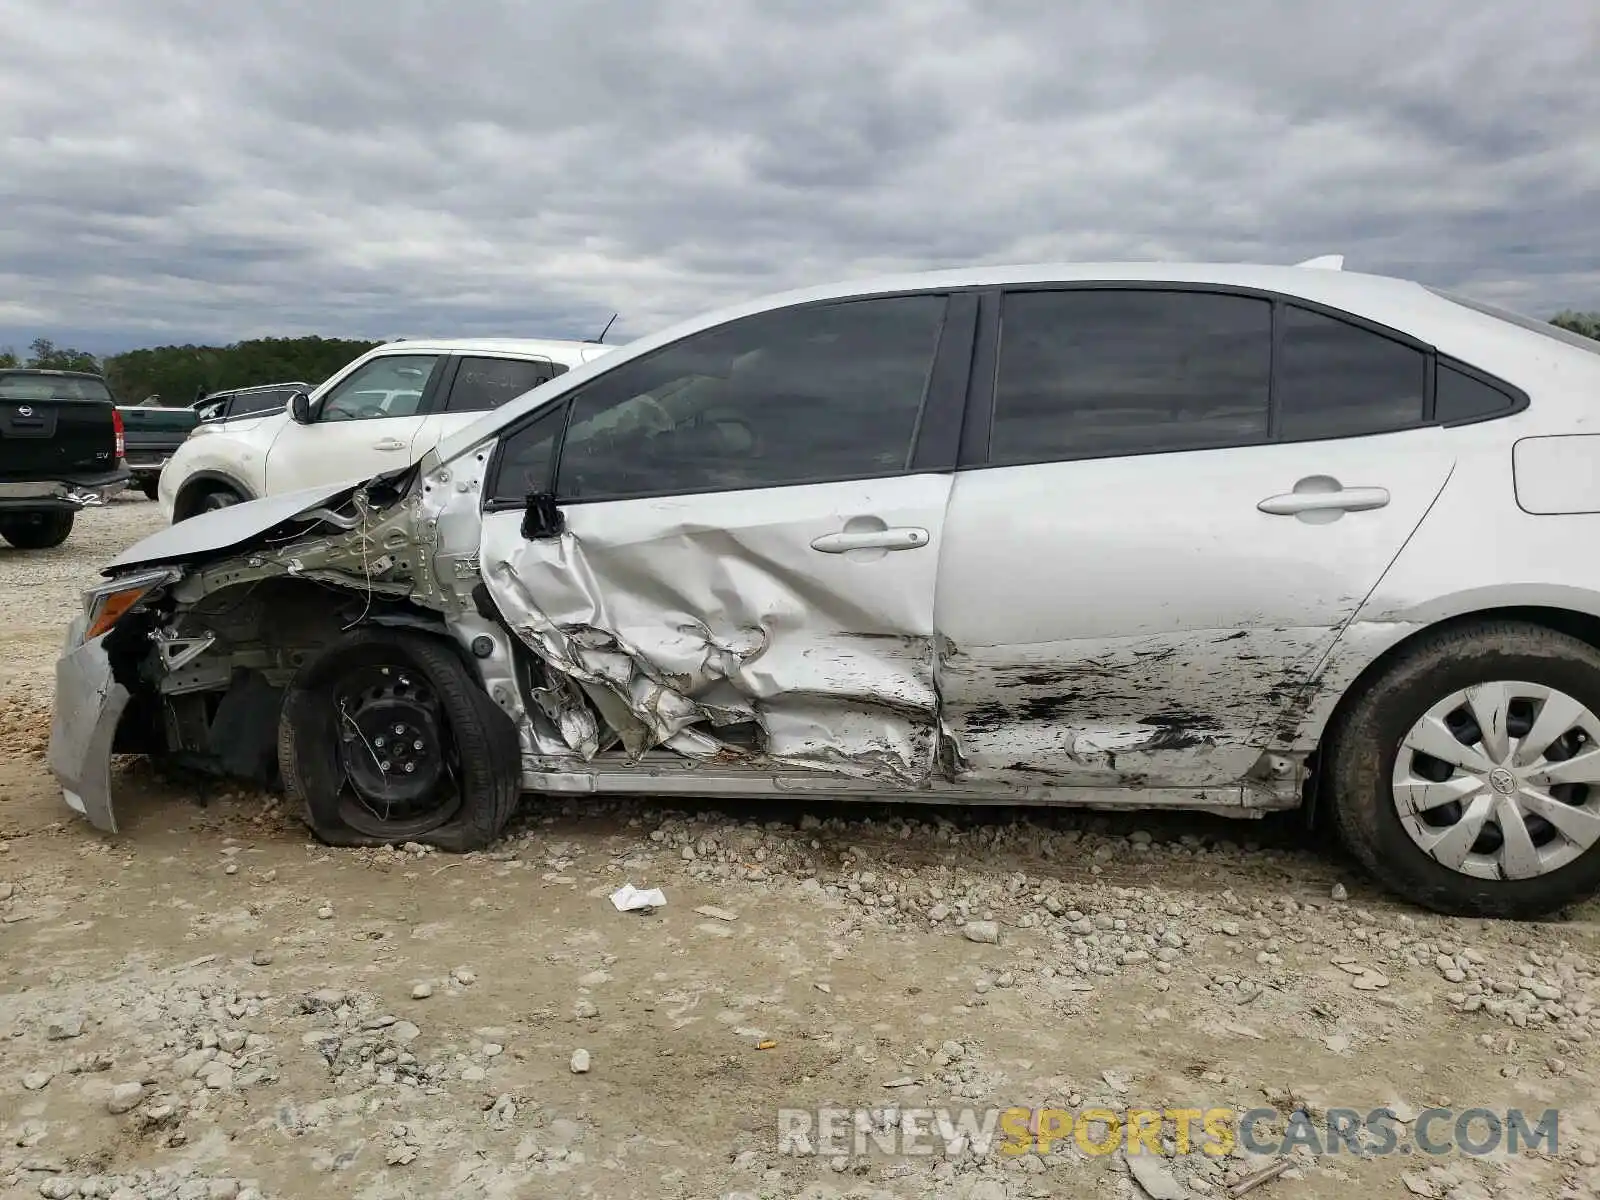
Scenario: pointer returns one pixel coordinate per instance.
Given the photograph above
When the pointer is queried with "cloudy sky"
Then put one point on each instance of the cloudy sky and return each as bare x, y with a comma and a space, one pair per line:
183, 170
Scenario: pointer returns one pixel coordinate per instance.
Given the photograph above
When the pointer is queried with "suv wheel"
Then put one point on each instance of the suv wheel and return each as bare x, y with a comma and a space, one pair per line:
36, 530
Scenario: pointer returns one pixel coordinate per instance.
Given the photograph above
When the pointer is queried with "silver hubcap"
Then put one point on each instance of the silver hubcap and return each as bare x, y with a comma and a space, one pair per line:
1501, 781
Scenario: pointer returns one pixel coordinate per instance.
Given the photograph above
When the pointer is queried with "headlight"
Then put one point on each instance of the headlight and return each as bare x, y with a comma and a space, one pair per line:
109, 602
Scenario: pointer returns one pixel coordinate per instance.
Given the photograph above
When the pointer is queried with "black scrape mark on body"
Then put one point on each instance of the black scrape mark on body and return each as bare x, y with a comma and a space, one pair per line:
987, 718
1177, 718
1029, 769
1234, 637
1047, 708
1175, 738
1039, 678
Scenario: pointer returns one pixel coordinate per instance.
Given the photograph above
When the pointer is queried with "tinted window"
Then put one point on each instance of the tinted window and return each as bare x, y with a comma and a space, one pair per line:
48, 387
485, 383
1093, 372
1339, 380
259, 402
388, 386
1461, 397
527, 457
799, 395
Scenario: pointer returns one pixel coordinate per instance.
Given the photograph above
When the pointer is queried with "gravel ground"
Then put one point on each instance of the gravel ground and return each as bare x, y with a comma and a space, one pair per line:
210, 1005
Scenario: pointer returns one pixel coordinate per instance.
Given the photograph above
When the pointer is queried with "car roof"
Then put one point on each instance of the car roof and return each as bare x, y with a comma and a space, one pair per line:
49, 371
1312, 282
1400, 304
569, 352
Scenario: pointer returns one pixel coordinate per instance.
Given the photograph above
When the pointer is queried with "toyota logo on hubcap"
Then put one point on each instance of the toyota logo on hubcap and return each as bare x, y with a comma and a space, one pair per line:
1502, 781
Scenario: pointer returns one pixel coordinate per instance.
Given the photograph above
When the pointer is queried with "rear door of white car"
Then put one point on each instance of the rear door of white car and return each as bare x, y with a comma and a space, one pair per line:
364, 425
752, 522
1172, 502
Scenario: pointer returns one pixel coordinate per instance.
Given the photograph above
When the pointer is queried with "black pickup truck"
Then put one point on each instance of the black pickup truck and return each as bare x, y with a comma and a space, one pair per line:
61, 450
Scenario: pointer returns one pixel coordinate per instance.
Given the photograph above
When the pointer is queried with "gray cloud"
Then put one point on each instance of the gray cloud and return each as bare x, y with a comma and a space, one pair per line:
180, 169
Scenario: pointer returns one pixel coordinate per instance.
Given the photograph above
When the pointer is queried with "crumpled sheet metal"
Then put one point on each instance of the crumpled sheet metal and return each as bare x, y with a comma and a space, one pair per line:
676, 638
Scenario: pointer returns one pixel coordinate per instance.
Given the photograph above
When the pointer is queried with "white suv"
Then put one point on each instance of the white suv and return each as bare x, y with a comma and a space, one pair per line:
387, 408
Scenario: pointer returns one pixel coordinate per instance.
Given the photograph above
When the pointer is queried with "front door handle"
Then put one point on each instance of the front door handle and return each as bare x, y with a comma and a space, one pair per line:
1292, 504
903, 538
389, 444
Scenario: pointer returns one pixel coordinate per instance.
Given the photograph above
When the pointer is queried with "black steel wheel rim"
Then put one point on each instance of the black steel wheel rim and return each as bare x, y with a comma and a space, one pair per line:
395, 753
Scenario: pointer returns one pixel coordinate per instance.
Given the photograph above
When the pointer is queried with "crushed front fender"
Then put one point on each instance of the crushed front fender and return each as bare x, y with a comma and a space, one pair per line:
88, 707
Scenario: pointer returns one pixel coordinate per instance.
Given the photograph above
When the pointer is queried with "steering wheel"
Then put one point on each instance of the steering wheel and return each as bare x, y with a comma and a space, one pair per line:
662, 418
719, 417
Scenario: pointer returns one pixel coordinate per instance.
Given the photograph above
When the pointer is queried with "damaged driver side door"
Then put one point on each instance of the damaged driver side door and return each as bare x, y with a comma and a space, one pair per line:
727, 547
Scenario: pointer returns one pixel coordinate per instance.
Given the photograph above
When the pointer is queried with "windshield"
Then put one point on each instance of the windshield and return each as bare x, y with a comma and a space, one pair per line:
1526, 322
51, 387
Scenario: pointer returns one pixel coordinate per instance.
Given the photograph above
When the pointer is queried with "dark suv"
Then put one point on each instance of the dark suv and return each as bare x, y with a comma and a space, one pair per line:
61, 450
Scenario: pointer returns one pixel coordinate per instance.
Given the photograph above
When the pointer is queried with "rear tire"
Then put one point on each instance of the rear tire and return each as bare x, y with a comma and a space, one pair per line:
36, 530
349, 780
1398, 823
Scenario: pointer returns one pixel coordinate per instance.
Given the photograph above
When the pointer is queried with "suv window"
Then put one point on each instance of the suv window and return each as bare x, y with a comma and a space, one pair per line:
1336, 379
251, 403
23, 386
391, 385
801, 395
1095, 372
482, 384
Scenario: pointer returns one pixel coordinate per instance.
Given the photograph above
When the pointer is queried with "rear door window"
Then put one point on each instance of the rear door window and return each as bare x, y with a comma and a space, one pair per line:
1338, 379
1099, 372
482, 384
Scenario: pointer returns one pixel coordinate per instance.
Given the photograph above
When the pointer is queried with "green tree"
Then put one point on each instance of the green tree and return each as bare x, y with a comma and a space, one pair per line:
180, 373
1586, 323
46, 355
8, 358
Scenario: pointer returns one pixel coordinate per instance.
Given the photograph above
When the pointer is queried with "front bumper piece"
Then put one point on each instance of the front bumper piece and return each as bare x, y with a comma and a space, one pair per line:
88, 708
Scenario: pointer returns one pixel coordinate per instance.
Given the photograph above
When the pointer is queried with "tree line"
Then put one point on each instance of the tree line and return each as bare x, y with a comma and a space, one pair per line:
180, 374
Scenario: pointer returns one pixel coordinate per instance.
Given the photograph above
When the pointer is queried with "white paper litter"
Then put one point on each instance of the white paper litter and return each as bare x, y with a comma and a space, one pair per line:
628, 898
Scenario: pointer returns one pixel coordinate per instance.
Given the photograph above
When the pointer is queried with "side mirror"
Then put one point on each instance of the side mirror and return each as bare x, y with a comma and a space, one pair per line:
300, 408
541, 518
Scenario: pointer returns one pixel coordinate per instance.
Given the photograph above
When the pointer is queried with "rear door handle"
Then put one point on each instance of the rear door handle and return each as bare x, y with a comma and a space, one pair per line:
389, 444
1292, 504
903, 538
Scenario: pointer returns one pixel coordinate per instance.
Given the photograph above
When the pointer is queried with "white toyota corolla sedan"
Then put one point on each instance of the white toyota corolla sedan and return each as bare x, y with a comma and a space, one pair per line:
1231, 538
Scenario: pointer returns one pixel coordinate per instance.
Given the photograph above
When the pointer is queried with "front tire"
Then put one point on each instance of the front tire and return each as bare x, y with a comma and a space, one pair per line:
1466, 777
36, 530
386, 737
203, 497
150, 487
